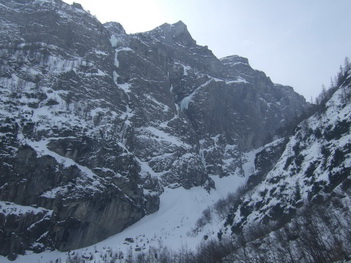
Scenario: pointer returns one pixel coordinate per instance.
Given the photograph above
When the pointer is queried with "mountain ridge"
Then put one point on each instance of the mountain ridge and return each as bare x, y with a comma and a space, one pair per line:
95, 123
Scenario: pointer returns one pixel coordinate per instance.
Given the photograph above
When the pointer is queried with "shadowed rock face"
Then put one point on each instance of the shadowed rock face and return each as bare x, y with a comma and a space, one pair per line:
95, 122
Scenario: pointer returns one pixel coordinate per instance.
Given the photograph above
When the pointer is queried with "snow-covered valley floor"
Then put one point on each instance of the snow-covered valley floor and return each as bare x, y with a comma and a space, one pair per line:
172, 226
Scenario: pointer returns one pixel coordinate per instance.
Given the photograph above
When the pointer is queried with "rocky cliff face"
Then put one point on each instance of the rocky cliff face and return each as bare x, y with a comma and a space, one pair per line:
312, 168
95, 122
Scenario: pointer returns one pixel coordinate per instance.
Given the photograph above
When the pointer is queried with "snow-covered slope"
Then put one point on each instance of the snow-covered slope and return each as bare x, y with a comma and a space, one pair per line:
316, 160
298, 211
172, 227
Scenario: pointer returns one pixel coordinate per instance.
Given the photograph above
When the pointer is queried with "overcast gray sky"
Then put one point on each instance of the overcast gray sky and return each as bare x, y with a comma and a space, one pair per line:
300, 43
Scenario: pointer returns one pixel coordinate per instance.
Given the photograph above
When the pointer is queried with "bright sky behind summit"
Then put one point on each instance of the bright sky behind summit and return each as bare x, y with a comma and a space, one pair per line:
300, 43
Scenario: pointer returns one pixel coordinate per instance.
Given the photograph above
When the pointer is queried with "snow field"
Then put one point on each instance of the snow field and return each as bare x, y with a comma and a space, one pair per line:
172, 226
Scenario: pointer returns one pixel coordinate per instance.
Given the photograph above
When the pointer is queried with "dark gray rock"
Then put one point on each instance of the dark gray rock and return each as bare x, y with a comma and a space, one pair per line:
95, 122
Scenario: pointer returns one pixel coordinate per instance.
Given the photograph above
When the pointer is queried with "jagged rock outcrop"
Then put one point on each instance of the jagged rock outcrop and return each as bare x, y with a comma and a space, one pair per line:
312, 167
95, 122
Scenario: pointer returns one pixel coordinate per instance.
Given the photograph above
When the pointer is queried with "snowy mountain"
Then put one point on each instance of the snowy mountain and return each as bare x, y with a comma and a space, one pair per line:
316, 160
305, 214
301, 203
97, 126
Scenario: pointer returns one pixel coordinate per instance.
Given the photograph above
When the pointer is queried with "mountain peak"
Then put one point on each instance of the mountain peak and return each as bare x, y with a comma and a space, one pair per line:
180, 26
177, 32
115, 28
234, 60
